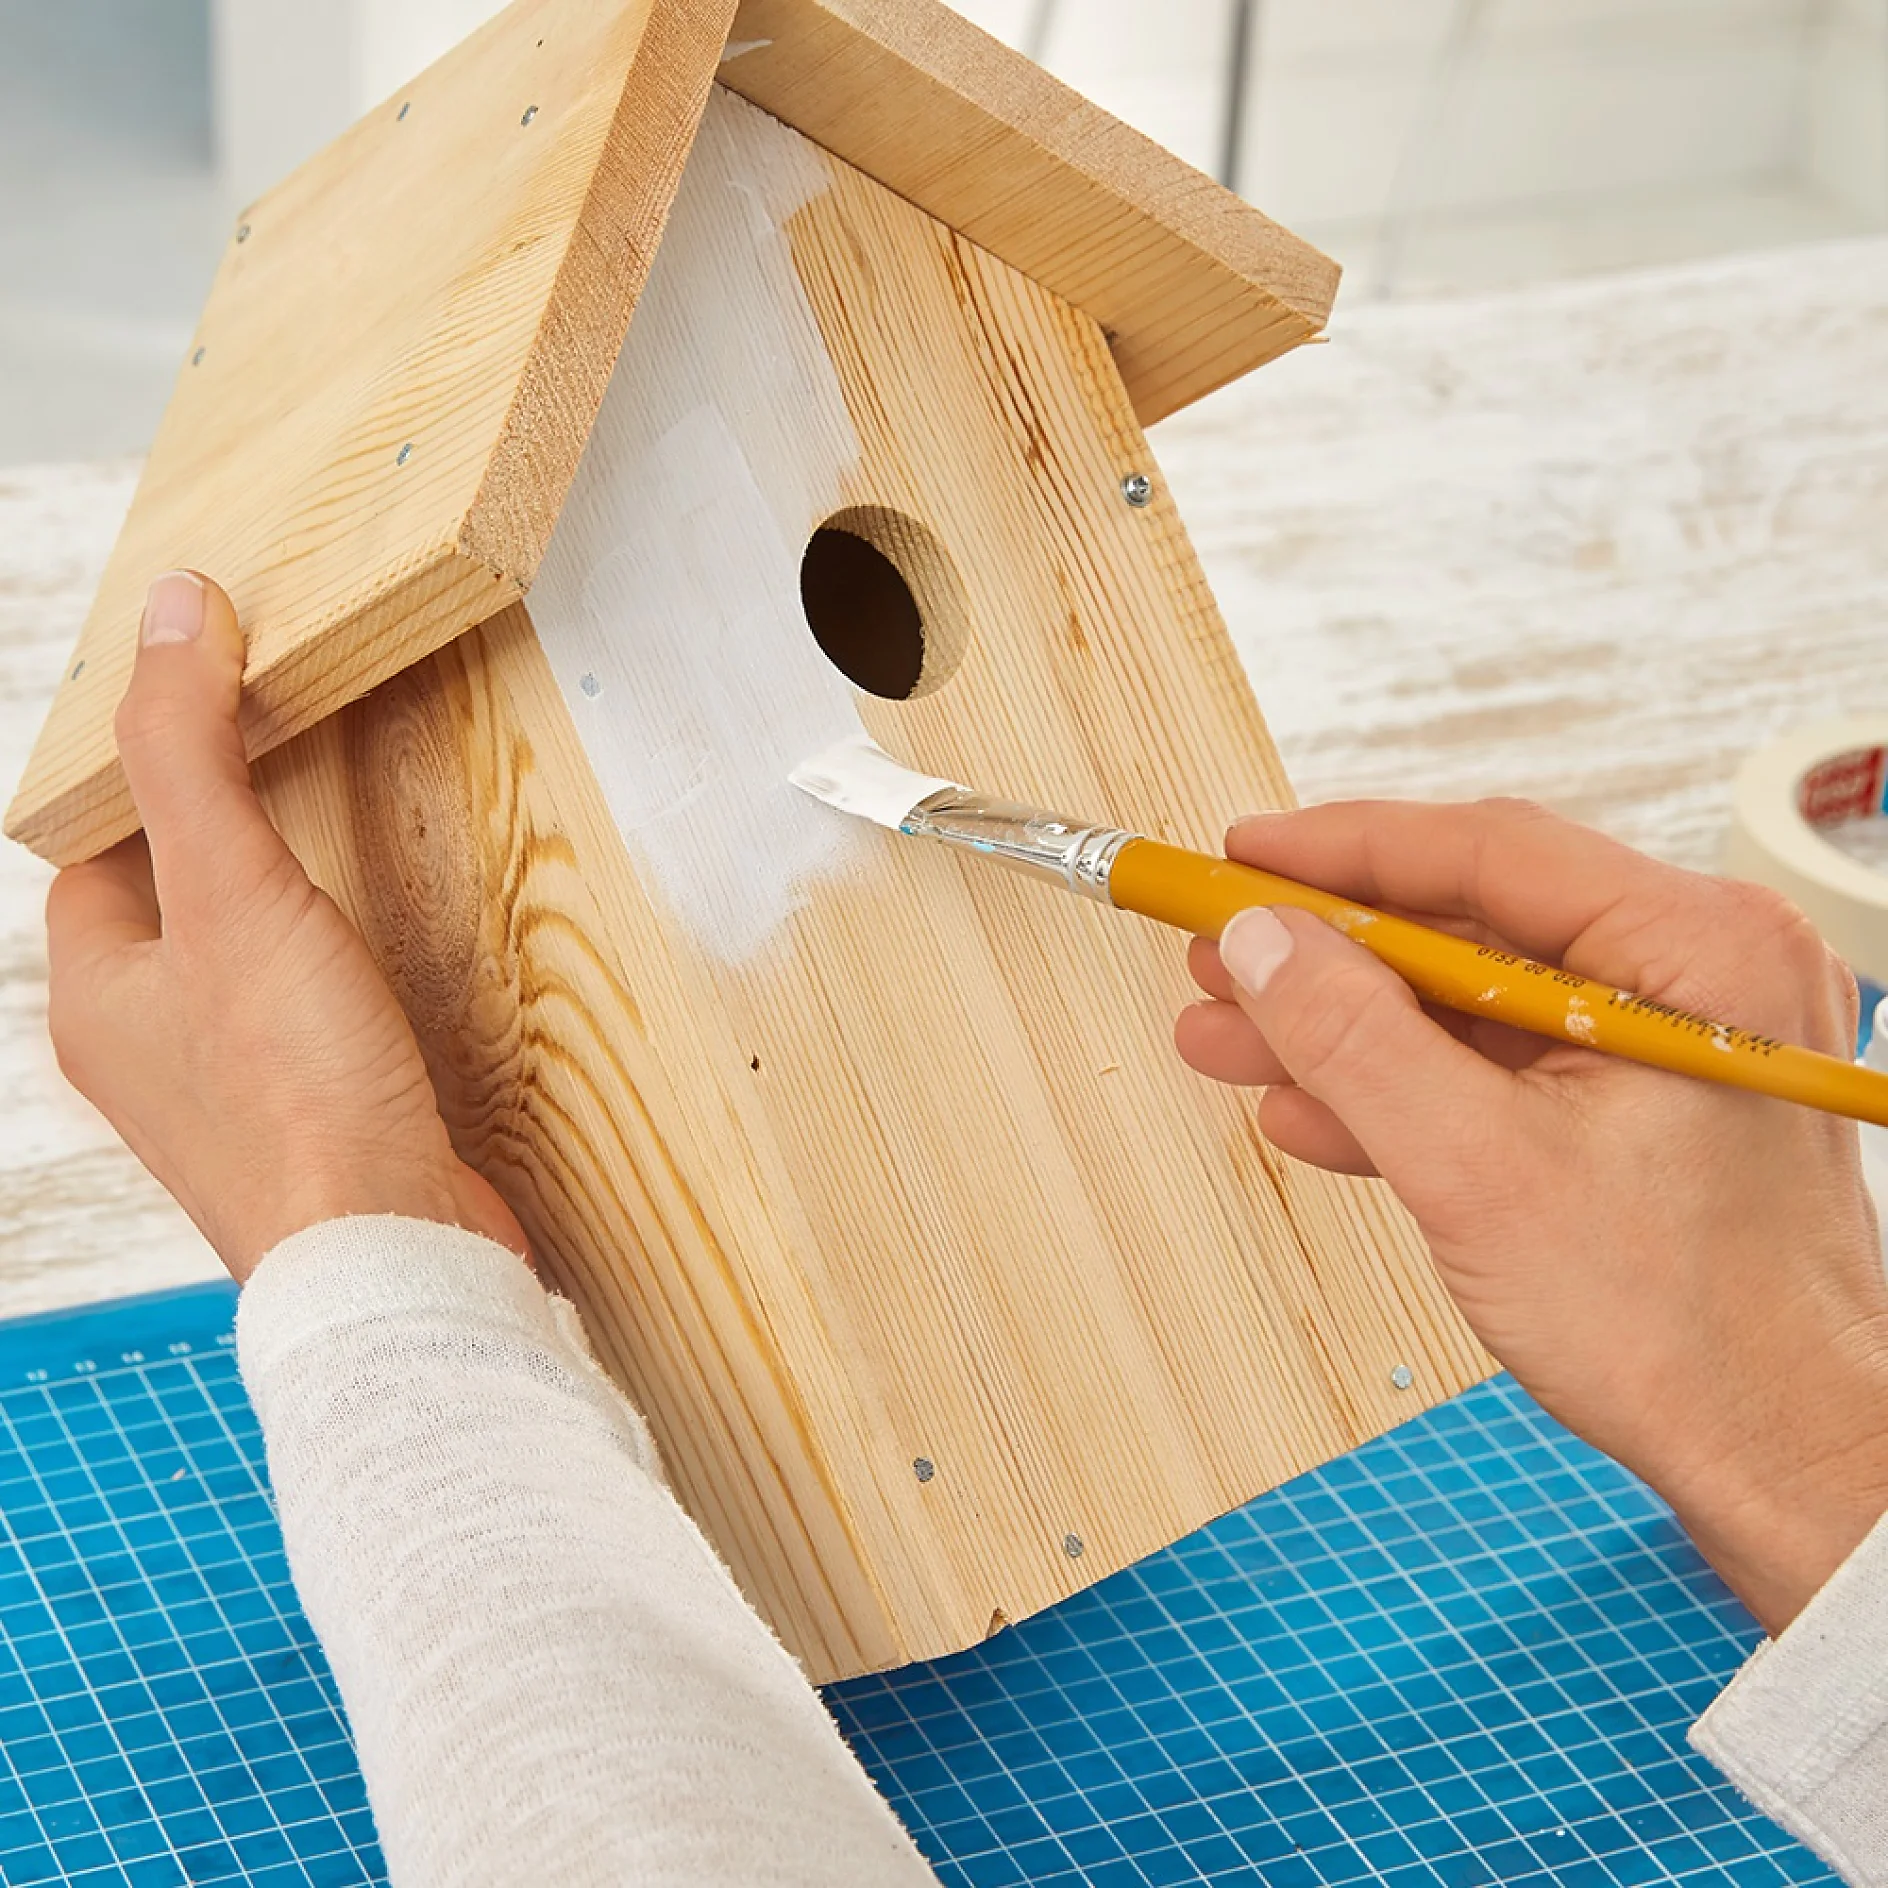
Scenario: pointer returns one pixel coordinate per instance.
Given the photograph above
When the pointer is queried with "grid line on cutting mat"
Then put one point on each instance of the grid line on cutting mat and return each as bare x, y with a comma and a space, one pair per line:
1465, 1655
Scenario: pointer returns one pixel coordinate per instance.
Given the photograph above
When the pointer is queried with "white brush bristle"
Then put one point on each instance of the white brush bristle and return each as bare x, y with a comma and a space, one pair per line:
858, 777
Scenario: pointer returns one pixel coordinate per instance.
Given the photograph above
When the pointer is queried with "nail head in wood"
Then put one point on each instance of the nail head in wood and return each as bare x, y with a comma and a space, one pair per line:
1402, 1377
1073, 1547
924, 1468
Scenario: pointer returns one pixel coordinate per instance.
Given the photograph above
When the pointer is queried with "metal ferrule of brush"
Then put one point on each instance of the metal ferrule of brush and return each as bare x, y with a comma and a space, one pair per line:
1045, 845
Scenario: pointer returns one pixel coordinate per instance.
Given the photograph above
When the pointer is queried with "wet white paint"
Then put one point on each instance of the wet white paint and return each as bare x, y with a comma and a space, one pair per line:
860, 778
669, 602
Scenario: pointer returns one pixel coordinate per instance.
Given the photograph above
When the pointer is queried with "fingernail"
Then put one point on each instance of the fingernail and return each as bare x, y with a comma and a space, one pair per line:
1253, 947
1263, 817
173, 611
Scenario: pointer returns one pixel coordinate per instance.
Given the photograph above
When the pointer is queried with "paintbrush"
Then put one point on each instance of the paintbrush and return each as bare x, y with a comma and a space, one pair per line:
1197, 893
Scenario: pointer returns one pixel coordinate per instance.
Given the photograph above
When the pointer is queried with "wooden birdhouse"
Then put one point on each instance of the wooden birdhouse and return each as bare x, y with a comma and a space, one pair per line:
946, 1288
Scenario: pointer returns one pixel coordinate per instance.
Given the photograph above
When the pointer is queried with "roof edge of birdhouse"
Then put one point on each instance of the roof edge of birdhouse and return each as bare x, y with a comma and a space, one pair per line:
380, 413
1193, 286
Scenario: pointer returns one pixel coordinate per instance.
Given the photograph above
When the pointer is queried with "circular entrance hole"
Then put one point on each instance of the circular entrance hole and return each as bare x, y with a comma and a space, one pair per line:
884, 602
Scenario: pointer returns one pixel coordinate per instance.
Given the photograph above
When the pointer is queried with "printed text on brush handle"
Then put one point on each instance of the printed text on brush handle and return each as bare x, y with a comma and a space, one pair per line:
1682, 1021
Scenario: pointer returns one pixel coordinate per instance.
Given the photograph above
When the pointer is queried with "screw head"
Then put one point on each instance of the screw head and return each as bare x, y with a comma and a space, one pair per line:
590, 686
404, 454
1072, 1546
78, 668
924, 1468
1138, 489
242, 235
404, 109
1402, 1377
196, 360
531, 111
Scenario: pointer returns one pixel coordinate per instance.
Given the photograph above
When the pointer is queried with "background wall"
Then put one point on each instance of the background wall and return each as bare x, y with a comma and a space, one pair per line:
1445, 140
108, 220
1433, 146
290, 74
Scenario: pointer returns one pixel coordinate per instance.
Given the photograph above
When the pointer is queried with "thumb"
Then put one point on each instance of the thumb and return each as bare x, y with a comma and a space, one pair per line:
1351, 1034
182, 747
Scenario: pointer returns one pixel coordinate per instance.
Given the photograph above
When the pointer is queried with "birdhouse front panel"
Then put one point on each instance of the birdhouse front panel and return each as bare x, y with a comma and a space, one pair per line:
946, 1288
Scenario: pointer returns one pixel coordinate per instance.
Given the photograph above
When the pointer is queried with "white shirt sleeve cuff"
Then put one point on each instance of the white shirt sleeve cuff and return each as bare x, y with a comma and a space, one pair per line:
1803, 1728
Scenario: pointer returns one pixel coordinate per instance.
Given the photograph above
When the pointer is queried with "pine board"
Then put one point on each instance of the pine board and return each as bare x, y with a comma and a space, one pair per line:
1316, 493
386, 397
394, 378
881, 1189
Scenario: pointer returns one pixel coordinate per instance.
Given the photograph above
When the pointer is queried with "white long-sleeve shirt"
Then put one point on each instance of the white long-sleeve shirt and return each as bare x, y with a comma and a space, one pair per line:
552, 1678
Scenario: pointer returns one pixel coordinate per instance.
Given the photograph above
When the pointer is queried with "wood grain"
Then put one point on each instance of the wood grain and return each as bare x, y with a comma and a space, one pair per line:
1193, 286
923, 1178
405, 348
394, 378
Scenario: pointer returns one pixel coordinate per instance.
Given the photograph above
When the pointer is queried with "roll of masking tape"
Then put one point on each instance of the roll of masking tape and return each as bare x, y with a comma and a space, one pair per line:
1790, 798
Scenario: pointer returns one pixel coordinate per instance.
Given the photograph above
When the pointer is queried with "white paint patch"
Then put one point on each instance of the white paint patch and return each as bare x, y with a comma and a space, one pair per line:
669, 601
860, 778
1581, 1025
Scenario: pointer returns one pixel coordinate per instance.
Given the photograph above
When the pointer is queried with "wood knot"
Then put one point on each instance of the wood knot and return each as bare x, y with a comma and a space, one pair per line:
411, 807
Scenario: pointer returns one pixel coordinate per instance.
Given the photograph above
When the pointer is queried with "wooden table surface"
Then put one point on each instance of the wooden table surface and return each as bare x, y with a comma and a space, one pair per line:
1590, 542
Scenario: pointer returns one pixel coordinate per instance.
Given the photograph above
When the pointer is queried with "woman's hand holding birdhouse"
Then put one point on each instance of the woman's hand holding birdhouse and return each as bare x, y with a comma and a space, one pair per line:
1687, 1275
215, 1007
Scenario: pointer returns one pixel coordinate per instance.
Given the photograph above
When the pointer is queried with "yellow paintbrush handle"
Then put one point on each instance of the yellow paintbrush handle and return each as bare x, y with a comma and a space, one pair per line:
1200, 894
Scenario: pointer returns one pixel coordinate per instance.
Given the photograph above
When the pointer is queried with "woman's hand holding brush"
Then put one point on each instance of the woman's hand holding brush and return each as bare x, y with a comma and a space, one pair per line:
1689, 1276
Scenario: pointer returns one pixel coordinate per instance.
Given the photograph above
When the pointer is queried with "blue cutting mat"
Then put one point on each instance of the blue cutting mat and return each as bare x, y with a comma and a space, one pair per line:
165, 1714
1464, 1655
